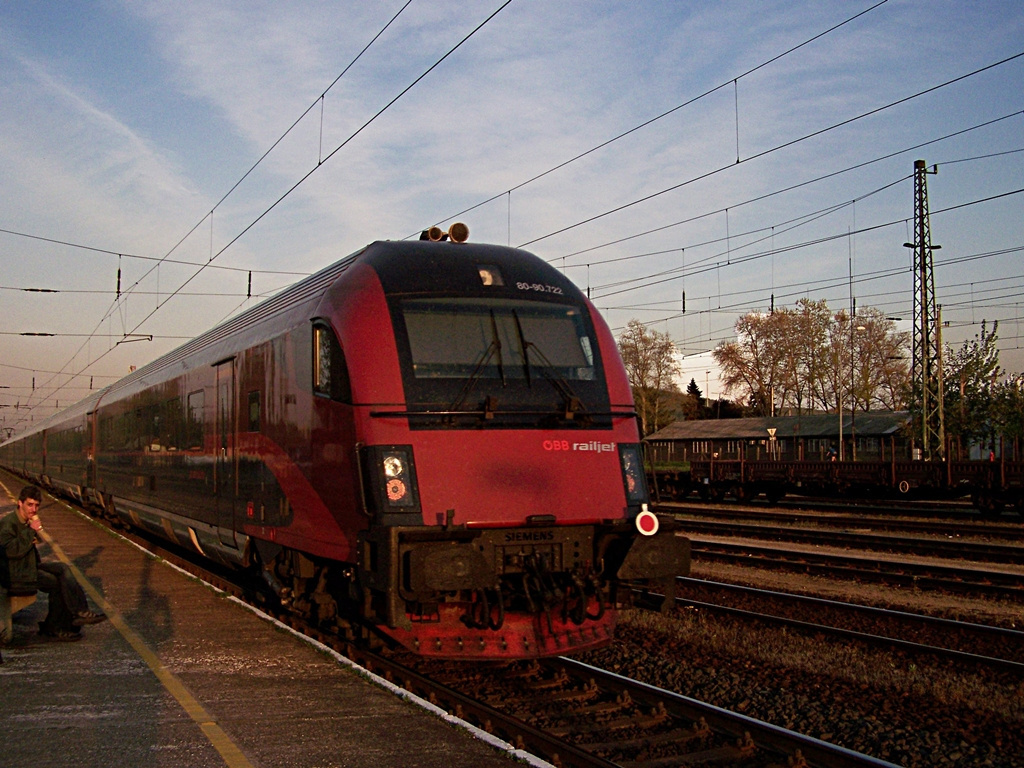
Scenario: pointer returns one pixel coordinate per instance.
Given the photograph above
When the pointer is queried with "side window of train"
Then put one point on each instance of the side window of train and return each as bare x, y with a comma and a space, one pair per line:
254, 411
330, 373
194, 428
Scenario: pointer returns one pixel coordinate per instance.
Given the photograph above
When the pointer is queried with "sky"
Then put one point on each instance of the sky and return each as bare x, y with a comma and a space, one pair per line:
164, 166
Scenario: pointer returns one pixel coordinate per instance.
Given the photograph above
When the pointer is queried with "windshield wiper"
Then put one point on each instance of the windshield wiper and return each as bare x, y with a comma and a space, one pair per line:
494, 348
496, 342
573, 403
523, 345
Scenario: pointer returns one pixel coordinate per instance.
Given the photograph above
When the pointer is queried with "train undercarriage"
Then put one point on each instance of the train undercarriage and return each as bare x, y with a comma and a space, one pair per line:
481, 593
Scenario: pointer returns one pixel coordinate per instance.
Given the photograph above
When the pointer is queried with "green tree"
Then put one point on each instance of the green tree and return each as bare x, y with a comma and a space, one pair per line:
1010, 412
693, 390
651, 364
971, 395
695, 408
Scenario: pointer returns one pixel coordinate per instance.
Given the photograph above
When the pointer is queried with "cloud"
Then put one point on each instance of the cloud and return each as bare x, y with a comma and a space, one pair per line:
129, 151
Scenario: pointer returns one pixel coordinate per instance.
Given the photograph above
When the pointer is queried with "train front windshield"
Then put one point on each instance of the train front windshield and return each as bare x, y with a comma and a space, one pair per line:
529, 361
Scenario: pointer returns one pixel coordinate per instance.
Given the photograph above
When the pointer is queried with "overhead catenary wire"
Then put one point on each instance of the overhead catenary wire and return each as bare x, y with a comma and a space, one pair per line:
656, 118
801, 289
320, 163
102, 292
817, 241
793, 187
839, 284
165, 259
737, 245
769, 151
273, 146
331, 154
772, 230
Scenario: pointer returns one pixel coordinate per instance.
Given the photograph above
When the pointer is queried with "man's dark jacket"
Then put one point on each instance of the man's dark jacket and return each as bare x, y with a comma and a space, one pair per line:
18, 556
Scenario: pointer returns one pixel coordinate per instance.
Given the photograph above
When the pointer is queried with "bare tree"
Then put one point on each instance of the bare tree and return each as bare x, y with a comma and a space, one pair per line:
755, 363
808, 351
882, 373
652, 366
807, 358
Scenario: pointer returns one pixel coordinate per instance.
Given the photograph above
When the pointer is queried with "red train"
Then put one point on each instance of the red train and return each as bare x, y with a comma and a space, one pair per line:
433, 438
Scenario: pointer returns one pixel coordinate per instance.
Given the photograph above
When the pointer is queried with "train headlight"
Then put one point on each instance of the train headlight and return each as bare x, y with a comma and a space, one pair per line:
393, 466
389, 480
394, 462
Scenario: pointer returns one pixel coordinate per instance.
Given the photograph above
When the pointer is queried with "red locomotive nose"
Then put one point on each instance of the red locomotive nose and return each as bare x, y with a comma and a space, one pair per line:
647, 523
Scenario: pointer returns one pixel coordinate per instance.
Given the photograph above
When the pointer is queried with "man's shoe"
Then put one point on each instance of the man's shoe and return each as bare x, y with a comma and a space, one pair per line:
66, 636
60, 635
88, 617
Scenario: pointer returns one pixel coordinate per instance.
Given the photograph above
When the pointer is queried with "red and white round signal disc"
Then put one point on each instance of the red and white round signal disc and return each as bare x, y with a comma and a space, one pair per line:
647, 523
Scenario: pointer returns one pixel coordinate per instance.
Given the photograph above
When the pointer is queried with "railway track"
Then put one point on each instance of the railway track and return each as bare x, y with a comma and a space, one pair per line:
1004, 531
919, 575
982, 552
563, 711
948, 510
962, 642
951, 509
610, 720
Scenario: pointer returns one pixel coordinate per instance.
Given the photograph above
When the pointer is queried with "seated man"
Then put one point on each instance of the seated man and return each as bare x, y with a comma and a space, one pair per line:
25, 573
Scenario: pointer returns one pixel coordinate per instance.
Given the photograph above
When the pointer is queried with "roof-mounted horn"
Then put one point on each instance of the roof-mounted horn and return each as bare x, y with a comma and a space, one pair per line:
457, 233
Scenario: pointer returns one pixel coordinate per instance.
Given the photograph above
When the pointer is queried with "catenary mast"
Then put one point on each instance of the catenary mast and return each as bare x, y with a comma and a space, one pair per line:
926, 370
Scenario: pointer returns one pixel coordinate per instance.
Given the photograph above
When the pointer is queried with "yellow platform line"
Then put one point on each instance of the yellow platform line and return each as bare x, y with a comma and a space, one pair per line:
228, 750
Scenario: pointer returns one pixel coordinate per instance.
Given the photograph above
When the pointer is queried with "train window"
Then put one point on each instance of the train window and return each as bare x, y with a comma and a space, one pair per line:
194, 428
254, 411
171, 424
490, 275
496, 339
330, 372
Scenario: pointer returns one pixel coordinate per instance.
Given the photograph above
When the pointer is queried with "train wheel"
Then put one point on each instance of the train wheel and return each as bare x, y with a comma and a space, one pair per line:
1018, 505
986, 503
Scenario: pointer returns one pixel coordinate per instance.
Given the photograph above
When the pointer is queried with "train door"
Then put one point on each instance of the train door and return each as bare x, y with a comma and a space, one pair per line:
224, 467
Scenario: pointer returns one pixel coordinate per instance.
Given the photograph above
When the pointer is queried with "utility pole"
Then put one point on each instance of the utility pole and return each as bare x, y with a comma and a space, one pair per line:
926, 368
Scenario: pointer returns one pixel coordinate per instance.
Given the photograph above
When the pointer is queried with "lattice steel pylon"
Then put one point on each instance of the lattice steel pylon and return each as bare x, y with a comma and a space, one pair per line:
926, 370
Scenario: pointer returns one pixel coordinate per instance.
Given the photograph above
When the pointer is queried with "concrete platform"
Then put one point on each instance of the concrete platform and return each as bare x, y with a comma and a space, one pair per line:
182, 676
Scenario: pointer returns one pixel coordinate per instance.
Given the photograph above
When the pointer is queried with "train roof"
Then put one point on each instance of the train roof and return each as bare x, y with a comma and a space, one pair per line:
279, 311
813, 425
69, 414
294, 299
403, 267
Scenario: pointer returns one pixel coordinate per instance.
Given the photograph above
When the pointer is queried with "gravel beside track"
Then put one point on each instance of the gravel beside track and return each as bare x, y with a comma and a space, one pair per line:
968, 637
898, 707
